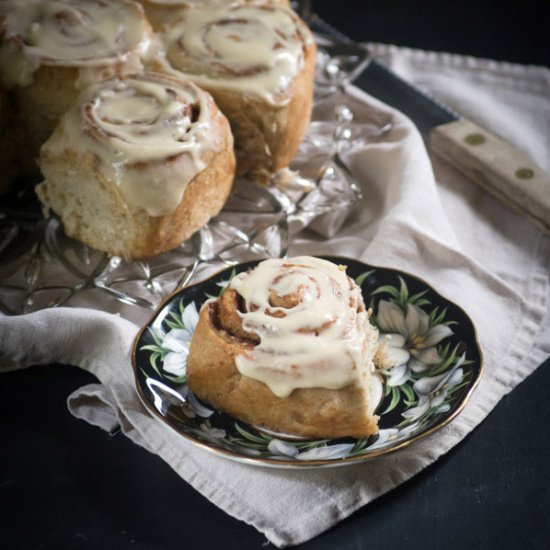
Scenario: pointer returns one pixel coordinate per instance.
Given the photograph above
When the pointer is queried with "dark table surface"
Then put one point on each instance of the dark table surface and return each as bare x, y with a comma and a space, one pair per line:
66, 484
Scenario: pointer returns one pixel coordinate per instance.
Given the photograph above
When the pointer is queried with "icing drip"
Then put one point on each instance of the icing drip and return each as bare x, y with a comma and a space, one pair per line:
312, 325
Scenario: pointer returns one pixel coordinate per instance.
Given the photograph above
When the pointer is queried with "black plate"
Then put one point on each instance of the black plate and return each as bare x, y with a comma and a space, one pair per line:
440, 365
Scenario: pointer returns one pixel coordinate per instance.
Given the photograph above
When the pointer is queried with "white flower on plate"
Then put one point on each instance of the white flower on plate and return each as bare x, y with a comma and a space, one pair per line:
432, 391
282, 448
391, 436
198, 408
213, 434
244, 450
328, 452
411, 342
178, 340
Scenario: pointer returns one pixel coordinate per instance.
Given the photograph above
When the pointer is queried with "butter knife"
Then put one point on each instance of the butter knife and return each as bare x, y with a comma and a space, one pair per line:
493, 163
496, 165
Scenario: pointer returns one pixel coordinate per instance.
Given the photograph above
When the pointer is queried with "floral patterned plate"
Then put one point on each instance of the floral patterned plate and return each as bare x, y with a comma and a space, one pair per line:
433, 346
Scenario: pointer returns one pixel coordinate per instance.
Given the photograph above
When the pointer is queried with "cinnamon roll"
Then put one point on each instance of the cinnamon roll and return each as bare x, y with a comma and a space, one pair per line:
257, 60
137, 165
50, 50
159, 12
289, 346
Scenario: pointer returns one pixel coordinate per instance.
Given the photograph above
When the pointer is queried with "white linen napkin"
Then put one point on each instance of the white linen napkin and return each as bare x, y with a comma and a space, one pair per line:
417, 215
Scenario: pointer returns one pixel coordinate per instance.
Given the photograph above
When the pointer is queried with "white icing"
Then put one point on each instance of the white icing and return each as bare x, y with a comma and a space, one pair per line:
204, 2
256, 50
324, 340
144, 119
69, 33
182, 2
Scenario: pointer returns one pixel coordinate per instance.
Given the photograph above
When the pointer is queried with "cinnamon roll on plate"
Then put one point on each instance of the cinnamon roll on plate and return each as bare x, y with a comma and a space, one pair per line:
137, 165
289, 347
50, 50
257, 60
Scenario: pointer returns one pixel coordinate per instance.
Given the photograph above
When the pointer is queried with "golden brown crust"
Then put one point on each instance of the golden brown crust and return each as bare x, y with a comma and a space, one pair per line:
204, 197
310, 412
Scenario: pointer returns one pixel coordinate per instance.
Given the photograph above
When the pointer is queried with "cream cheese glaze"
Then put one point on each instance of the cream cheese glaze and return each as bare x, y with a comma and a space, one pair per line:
145, 118
324, 339
255, 50
69, 33
203, 2
185, 2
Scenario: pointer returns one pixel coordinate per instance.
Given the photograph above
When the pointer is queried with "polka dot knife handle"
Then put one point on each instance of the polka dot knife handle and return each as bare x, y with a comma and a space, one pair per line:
499, 167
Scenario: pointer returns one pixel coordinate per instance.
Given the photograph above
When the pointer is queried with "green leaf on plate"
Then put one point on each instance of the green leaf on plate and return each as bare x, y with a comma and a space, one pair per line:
386, 289
361, 278
250, 436
396, 394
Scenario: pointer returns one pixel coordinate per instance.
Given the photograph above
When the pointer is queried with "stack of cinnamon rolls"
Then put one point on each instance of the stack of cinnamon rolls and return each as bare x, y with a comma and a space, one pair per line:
135, 117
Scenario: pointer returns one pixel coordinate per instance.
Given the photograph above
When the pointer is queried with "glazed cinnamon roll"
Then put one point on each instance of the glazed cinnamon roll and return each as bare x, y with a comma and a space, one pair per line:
160, 12
137, 165
258, 62
289, 347
50, 50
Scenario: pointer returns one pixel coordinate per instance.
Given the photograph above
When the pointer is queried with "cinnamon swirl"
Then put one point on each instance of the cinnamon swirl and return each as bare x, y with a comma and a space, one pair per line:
257, 60
138, 164
50, 50
288, 346
159, 12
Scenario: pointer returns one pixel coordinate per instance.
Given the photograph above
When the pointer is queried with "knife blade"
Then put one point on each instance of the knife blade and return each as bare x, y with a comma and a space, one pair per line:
490, 161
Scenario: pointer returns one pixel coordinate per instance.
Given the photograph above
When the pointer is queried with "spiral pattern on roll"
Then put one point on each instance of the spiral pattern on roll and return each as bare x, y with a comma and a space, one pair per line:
74, 32
304, 324
146, 117
149, 136
262, 45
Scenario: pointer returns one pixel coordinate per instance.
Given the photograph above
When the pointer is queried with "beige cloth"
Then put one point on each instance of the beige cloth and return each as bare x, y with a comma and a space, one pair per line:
469, 247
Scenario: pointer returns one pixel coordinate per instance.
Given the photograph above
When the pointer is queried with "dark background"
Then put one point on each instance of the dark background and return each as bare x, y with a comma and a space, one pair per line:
66, 484
507, 31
